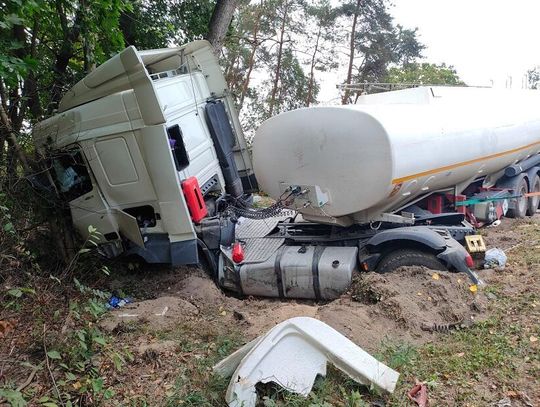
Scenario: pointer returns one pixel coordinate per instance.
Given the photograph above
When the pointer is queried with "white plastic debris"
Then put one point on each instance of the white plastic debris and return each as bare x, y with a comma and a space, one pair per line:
495, 258
227, 366
292, 354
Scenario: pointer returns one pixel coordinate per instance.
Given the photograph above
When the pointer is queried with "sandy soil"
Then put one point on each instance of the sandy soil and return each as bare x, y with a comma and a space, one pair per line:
400, 305
413, 304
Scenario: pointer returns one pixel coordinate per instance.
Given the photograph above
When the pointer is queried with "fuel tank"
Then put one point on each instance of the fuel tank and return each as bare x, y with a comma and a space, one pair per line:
349, 164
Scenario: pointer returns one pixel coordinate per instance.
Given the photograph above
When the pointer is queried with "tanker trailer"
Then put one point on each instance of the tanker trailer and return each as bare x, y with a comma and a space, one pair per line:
362, 163
390, 181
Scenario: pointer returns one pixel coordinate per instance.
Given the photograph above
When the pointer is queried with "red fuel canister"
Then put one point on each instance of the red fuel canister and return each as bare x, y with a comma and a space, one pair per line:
194, 199
238, 252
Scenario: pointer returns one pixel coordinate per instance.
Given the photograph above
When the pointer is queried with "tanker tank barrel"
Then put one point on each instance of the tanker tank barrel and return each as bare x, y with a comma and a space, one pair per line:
362, 161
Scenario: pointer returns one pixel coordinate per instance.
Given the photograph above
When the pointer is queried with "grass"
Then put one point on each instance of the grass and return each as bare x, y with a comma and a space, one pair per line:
459, 360
527, 252
196, 385
489, 356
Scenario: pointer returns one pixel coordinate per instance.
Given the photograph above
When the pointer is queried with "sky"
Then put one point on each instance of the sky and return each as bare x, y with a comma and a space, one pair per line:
489, 42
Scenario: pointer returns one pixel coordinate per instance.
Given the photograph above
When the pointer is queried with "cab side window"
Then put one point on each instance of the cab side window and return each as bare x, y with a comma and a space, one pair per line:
181, 158
71, 175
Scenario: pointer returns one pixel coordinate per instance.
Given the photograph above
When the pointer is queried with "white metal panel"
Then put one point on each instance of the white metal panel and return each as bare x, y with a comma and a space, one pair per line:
203, 161
116, 161
173, 208
181, 92
126, 181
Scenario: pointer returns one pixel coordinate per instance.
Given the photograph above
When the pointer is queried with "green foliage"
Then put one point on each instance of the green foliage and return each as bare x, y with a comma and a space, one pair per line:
397, 355
195, 384
13, 397
192, 18
67, 38
158, 23
76, 357
322, 38
53, 354
293, 87
424, 74
286, 42
461, 358
380, 43
13, 64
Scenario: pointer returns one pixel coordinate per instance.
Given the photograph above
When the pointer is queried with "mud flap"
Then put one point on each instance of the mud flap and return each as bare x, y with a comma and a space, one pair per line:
455, 256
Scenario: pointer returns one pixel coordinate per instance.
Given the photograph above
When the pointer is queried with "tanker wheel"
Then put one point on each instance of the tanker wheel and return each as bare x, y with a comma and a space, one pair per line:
408, 257
521, 203
534, 201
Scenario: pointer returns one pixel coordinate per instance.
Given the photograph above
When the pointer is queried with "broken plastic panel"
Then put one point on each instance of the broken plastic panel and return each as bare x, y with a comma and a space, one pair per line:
292, 355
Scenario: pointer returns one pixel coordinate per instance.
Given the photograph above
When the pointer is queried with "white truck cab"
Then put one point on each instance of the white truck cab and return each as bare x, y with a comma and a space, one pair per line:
129, 135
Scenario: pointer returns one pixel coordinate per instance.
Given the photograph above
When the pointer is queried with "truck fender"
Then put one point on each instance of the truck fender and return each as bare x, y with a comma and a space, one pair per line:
510, 182
418, 234
455, 257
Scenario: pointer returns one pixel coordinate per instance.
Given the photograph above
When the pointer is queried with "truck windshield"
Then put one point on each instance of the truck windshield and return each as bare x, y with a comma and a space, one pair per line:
71, 175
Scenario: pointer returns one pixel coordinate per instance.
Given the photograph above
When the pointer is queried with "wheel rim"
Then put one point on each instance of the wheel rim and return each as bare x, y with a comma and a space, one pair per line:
535, 199
522, 202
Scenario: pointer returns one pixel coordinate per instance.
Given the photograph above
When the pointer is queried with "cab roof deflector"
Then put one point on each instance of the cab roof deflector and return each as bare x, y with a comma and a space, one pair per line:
131, 70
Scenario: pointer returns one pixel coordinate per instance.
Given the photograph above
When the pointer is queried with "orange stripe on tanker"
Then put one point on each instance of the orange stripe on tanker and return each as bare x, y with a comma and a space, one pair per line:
461, 164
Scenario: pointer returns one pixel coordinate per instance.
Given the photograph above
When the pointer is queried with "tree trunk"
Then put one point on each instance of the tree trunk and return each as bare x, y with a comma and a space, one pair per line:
30, 84
219, 23
312, 70
126, 24
251, 62
12, 139
67, 49
345, 98
279, 56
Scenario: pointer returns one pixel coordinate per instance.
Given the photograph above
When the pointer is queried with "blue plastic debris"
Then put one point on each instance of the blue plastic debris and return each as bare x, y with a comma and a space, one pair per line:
117, 302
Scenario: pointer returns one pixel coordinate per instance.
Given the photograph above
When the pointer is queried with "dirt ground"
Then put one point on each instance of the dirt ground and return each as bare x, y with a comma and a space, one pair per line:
414, 306
474, 346
402, 305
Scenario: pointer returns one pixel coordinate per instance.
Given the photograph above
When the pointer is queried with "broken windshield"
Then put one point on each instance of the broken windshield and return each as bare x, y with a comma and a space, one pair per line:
71, 175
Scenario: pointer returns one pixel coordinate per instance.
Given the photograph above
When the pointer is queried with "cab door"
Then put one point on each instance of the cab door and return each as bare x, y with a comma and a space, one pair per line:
76, 186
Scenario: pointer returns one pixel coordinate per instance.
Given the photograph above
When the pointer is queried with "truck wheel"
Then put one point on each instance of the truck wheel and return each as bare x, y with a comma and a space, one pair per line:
408, 257
534, 201
520, 209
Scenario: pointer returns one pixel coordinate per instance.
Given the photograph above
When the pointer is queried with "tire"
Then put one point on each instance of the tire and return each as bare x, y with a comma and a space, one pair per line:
534, 201
520, 211
408, 257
